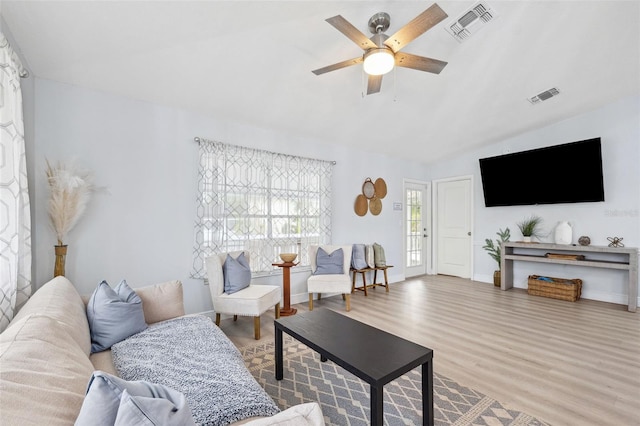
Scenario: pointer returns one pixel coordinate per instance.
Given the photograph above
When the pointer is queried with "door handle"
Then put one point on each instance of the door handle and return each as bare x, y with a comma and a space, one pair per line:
469, 233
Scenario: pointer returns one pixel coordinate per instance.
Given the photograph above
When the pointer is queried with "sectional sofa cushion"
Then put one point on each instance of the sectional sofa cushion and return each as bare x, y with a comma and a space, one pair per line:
114, 315
162, 301
113, 401
58, 299
44, 372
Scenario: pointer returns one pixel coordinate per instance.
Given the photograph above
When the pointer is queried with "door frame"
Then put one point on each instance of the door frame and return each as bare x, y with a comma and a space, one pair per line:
434, 215
427, 215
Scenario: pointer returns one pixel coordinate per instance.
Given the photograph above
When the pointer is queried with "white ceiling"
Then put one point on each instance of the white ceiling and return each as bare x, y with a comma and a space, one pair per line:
252, 62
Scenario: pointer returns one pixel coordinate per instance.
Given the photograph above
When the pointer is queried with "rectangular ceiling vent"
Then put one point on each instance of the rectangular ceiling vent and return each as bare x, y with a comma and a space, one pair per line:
547, 94
471, 21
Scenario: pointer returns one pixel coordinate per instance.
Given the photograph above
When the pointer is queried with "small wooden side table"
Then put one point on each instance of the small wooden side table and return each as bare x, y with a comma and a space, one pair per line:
286, 286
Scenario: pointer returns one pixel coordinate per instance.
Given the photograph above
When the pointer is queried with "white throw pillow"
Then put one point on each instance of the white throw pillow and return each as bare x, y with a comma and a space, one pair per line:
308, 414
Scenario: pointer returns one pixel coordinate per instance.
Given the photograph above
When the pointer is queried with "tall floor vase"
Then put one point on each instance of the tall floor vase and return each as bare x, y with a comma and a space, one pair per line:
61, 254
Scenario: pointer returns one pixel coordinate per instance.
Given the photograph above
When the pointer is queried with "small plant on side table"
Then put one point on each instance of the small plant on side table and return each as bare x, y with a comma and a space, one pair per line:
495, 251
530, 228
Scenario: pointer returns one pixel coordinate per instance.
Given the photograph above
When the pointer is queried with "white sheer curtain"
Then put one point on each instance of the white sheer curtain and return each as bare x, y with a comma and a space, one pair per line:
263, 202
15, 225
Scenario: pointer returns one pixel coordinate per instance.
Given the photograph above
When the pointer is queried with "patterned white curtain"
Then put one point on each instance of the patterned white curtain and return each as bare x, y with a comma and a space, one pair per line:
15, 226
263, 202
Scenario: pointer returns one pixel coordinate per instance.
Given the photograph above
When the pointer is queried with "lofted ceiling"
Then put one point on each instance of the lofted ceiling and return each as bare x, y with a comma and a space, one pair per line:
252, 61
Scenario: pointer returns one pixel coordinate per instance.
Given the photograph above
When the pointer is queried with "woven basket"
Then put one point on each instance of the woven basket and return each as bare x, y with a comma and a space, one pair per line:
558, 288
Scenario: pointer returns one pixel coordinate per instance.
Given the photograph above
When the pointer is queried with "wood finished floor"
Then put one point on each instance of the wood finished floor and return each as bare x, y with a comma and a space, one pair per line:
562, 362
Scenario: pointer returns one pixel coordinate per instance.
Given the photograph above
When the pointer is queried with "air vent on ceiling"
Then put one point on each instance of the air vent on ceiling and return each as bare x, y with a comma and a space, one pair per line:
547, 94
471, 21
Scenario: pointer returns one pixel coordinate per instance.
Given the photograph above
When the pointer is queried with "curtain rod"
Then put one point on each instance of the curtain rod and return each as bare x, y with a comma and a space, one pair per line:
333, 162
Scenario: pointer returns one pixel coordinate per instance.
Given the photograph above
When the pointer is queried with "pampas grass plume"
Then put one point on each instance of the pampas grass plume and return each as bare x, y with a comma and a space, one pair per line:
71, 190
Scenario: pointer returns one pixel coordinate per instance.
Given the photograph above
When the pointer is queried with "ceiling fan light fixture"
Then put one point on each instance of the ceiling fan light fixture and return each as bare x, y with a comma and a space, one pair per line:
378, 61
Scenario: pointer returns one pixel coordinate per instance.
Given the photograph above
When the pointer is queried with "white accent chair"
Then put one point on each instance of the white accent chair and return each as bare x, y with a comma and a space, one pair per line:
250, 301
330, 283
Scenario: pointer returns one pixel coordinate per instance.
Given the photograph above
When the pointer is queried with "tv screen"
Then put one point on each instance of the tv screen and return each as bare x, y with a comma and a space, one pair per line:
567, 173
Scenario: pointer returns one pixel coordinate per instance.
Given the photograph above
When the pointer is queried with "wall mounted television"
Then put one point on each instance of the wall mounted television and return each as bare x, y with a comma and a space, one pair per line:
567, 173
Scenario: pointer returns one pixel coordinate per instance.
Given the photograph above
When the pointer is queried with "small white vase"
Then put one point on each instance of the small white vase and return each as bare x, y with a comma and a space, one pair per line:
563, 233
526, 239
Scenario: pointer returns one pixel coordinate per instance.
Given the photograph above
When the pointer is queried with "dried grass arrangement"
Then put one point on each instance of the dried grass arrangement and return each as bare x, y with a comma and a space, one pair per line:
71, 190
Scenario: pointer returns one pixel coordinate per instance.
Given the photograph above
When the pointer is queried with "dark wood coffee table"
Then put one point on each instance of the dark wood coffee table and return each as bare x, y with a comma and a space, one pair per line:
373, 355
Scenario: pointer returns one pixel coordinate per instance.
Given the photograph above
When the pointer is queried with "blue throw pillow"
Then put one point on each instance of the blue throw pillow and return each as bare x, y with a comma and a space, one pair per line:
237, 273
358, 259
113, 315
329, 263
112, 401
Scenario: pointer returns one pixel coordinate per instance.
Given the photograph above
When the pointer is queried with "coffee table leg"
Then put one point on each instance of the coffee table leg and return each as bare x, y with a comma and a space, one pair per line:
377, 410
427, 393
279, 360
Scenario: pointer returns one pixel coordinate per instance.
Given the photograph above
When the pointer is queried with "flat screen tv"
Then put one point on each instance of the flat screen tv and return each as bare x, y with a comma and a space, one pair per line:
567, 173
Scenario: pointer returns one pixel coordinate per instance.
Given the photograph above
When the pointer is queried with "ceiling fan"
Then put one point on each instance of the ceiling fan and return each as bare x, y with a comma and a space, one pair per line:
382, 52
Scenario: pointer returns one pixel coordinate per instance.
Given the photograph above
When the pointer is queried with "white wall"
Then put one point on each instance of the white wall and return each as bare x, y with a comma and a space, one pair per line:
618, 124
141, 227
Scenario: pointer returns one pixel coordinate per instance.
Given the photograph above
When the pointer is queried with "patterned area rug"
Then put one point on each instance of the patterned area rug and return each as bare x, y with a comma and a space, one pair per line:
344, 398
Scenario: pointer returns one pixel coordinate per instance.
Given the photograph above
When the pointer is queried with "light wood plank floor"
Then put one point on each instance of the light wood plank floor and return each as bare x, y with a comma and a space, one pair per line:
562, 362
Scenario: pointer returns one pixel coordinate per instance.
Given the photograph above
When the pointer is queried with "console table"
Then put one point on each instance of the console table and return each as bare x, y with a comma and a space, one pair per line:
621, 258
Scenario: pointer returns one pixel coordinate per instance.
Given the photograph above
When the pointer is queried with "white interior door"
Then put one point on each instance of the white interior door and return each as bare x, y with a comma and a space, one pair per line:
454, 227
417, 227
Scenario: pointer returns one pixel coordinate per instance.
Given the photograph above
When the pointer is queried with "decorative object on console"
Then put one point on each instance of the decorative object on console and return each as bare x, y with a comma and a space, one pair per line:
530, 228
584, 240
615, 241
70, 190
495, 251
563, 233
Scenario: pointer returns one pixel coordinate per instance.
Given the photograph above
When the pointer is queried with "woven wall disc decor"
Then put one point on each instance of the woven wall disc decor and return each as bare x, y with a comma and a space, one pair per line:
371, 197
360, 206
381, 188
375, 206
368, 188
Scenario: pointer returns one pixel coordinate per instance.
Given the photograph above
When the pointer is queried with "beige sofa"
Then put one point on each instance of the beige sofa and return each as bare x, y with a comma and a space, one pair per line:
45, 361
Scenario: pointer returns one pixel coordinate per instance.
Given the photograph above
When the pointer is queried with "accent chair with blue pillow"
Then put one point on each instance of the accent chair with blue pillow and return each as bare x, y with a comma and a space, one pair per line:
232, 292
330, 266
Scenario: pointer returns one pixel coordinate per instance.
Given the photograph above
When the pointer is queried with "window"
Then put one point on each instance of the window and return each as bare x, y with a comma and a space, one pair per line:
262, 202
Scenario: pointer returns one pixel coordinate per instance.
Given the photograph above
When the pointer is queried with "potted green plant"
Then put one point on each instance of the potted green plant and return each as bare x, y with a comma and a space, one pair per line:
495, 251
530, 228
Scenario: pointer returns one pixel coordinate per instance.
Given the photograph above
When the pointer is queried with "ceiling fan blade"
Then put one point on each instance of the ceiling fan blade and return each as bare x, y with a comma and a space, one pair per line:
420, 63
339, 65
418, 26
373, 84
352, 32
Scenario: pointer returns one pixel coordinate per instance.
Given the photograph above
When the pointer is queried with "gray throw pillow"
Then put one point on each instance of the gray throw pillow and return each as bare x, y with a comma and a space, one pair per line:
358, 260
111, 400
378, 255
113, 315
328, 264
237, 273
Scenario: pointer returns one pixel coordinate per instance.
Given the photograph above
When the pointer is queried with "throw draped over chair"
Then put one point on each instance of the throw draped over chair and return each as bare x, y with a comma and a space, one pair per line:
330, 283
253, 300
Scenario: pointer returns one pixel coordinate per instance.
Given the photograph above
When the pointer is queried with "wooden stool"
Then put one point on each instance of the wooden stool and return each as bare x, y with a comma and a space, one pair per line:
363, 272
